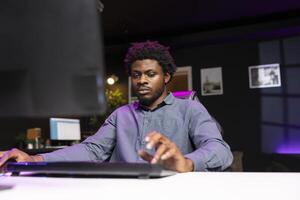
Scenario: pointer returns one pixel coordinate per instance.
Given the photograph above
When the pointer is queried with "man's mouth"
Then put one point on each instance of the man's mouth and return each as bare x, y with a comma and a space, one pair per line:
143, 91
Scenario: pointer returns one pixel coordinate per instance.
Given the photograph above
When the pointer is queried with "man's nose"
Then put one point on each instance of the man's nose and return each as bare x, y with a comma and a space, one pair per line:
143, 79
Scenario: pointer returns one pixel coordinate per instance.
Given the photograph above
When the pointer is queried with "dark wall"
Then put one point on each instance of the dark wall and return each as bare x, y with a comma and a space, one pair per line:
237, 110
280, 123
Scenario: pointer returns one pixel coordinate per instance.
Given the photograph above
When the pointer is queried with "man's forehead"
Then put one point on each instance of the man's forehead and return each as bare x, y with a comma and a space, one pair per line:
146, 64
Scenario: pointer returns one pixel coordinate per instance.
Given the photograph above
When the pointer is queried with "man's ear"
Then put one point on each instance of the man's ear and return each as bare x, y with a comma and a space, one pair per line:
167, 77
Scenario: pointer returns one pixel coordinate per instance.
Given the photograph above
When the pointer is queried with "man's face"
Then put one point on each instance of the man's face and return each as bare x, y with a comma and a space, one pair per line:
148, 81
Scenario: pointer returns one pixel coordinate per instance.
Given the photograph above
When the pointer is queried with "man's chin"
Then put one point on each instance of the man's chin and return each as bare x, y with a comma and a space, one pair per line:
145, 101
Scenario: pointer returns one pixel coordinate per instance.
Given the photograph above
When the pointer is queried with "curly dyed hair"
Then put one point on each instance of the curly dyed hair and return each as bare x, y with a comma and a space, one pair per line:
150, 50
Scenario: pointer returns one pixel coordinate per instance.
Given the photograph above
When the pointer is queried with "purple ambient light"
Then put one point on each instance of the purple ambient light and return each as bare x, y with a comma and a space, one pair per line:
289, 149
181, 93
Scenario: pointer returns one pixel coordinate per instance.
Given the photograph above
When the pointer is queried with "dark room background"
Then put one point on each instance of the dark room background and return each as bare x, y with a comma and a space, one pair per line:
262, 123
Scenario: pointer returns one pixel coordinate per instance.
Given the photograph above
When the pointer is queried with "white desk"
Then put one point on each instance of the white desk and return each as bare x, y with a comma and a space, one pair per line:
194, 186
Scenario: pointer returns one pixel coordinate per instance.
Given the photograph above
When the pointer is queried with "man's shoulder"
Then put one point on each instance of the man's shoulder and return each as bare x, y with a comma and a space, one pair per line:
188, 104
125, 108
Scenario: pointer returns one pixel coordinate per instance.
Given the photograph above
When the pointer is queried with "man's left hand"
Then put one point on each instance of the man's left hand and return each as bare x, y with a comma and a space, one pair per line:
166, 153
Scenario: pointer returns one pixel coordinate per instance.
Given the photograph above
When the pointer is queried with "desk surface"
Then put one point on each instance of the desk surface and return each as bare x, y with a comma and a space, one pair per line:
205, 186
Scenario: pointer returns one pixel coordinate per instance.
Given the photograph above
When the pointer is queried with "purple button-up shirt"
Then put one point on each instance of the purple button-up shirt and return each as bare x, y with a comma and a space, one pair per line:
185, 122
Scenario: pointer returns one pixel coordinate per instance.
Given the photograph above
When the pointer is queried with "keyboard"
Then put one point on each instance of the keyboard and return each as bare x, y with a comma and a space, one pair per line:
90, 169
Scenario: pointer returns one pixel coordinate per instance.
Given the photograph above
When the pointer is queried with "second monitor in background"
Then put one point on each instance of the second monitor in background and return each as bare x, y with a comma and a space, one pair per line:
64, 131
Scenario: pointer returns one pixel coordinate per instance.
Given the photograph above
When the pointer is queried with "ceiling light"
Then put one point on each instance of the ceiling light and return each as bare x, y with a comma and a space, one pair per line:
112, 79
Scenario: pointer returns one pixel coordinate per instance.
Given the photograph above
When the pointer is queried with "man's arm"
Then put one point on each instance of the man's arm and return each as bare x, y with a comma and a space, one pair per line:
97, 147
212, 152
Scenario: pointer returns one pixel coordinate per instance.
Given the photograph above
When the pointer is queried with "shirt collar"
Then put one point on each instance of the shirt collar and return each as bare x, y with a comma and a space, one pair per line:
167, 101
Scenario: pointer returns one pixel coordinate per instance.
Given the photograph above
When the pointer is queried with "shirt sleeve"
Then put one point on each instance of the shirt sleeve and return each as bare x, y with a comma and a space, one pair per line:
97, 147
212, 152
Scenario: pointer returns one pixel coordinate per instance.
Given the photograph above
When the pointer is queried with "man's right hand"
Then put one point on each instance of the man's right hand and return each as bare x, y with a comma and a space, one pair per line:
19, 156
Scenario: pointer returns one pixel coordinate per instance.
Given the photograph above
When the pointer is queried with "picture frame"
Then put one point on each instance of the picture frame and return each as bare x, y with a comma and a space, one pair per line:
211, 81
264, 76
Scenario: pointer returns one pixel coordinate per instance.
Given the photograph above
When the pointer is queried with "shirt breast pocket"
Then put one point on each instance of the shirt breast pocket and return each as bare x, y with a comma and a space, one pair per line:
171, 128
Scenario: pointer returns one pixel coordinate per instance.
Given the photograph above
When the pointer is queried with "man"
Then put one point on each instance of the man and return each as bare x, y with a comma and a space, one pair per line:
179, 134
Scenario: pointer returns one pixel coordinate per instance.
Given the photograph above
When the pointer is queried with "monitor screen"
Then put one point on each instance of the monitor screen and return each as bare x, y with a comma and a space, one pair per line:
51, 58
64, 129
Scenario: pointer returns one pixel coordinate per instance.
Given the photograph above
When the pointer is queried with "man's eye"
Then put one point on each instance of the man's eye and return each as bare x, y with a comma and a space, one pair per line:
151, 74
135, 75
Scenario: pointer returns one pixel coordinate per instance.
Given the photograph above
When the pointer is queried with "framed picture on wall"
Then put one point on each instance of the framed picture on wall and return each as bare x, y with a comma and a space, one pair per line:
211, 81
264, 76
181, 81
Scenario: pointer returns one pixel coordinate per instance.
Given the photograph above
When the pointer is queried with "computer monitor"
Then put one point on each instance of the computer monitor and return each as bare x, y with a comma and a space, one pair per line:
64, 129
51, 58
